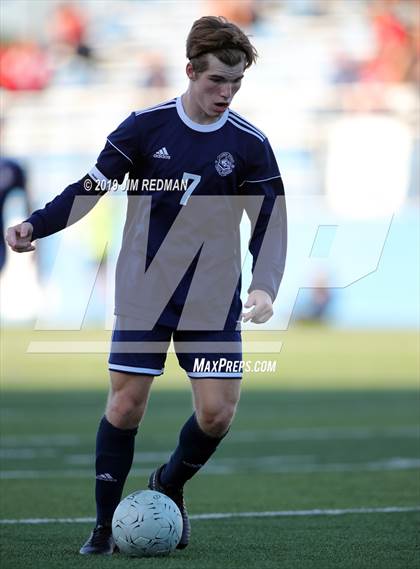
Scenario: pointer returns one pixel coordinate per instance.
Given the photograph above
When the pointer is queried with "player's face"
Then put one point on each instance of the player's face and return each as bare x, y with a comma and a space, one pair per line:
212, 90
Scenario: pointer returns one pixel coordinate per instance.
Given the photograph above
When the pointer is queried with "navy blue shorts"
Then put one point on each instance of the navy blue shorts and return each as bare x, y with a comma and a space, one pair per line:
202, 354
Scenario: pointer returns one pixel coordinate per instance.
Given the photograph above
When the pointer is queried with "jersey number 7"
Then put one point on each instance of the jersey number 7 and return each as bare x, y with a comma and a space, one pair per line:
195, 181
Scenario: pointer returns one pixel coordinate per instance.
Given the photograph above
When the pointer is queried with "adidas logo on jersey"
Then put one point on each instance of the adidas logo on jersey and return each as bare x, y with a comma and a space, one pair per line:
162, 153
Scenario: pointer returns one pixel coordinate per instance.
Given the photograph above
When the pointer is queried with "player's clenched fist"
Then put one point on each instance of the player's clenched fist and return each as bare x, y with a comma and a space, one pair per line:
19, 237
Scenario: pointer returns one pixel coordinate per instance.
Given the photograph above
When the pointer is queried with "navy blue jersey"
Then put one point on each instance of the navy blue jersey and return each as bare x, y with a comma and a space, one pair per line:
174, 161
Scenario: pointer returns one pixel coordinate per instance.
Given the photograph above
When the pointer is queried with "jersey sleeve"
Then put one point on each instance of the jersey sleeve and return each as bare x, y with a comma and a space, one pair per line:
79, 198
261, 163
119, 153
264, 202
65, 209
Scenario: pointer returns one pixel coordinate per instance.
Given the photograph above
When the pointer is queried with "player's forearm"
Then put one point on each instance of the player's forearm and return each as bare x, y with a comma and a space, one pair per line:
64, 210
268, 273
268, 247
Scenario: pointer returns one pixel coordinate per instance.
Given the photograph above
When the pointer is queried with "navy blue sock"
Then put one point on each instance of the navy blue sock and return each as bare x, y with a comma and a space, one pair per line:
114, 457
194, 449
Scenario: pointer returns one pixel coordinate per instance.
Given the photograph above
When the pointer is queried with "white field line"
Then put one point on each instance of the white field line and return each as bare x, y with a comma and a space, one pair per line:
41, 440
36, 453
229, 515
144, 458
324, 433
292, 434
273, 465
153, 457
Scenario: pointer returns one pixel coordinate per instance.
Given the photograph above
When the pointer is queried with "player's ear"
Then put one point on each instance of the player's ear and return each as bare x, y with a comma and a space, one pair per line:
190, 71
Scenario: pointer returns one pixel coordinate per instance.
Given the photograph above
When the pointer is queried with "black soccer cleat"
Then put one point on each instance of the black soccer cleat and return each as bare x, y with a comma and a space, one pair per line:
177, 495
100, 542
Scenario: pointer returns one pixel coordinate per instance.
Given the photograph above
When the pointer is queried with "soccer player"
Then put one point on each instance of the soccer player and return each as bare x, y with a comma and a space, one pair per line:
207, 156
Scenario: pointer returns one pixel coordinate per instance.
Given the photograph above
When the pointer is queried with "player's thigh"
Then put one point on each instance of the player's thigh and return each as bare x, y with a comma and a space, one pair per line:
137, 351
210, 354
135, 386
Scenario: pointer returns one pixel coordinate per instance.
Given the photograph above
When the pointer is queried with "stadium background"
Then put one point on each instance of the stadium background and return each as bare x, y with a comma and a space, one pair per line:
335, 90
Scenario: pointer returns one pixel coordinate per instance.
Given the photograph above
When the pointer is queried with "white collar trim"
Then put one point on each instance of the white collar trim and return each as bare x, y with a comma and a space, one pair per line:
197, 126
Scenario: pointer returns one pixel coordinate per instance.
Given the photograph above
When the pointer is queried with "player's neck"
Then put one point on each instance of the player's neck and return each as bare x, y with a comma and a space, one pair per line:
194, 112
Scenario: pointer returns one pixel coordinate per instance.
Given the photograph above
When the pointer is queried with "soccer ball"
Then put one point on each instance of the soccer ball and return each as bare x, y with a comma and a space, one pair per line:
146, 524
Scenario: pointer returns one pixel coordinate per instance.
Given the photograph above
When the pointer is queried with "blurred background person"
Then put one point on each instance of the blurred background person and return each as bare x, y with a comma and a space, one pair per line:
12, 177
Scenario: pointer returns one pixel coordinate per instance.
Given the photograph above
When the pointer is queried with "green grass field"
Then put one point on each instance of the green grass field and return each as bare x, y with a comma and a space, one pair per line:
335, 428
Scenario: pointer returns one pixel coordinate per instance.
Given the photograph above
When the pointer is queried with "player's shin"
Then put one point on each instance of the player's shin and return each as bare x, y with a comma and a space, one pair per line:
194, 449
114, 457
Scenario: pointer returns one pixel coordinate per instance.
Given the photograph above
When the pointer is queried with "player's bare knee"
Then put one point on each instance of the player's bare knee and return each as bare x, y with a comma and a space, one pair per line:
127, 399
215, 422
124, 410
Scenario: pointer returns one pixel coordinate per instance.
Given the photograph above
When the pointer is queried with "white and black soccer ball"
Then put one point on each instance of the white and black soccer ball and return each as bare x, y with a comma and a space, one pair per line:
147, 524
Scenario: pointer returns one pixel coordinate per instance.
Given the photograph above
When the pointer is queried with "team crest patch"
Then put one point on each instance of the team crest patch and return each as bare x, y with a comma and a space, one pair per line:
224, 163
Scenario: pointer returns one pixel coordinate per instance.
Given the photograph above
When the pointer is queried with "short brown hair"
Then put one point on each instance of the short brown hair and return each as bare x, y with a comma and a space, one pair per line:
211, 34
